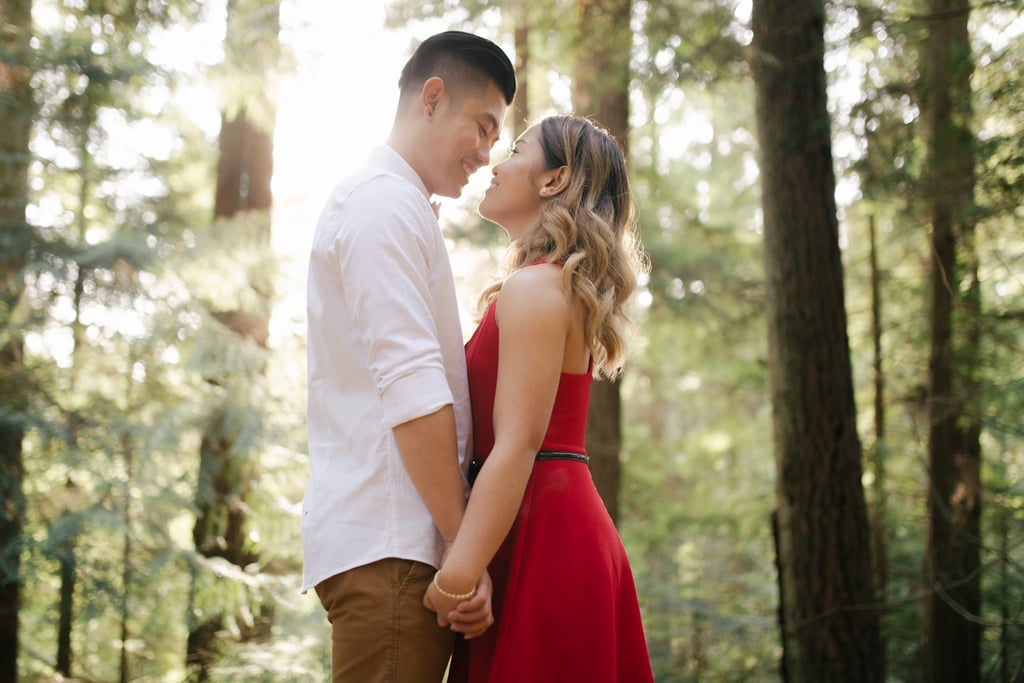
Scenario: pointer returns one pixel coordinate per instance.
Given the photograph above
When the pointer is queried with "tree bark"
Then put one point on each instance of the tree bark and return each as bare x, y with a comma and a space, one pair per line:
877, 511
16, 113
828, 619
602, 73
245, 166
66, 605
127, 551
1008, 585
601, 91
521, 103
952, 636
67, 553
223, 494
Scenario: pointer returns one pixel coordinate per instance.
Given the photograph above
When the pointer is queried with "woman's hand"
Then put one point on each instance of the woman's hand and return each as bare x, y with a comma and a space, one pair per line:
474, 616
471, 616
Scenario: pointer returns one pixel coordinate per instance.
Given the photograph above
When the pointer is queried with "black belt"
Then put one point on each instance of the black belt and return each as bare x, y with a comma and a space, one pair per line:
474, 466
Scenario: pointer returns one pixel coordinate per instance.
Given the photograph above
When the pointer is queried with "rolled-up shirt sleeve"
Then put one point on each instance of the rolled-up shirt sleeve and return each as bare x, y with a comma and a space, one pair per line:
384, 265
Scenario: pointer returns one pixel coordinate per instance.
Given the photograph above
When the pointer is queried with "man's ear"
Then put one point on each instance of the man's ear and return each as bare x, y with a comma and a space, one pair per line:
556, 180
432, 94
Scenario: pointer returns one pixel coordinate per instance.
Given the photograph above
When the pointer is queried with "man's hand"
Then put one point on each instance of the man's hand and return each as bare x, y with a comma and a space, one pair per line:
470, 617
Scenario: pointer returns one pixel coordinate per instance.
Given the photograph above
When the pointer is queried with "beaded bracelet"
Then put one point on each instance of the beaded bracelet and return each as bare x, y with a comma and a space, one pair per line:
452, 596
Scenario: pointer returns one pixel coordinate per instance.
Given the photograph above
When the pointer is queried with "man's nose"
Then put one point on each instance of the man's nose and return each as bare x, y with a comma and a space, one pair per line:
483, 152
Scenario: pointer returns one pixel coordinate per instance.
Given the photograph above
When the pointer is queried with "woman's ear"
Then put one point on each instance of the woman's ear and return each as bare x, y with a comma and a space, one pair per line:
556, 180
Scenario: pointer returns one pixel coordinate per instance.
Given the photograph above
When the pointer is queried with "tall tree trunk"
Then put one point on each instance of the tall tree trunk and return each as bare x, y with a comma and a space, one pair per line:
127, 551
16, 112
601, 90
224, 491
521, 103
601, 87
877, 511
245, 166
1005, 647
952, 637
829, 624
12, 497
67, 552
65, 605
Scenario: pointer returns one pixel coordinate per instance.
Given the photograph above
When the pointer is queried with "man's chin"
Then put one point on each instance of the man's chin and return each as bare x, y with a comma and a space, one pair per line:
451, 192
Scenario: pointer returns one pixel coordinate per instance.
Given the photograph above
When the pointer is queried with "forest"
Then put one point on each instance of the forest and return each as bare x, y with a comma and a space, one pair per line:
815, 456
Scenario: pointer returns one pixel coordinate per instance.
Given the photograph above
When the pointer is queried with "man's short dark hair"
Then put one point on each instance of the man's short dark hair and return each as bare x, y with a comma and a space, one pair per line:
460, 59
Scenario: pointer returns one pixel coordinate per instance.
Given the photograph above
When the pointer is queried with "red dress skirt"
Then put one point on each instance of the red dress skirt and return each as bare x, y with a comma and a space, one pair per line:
565, 603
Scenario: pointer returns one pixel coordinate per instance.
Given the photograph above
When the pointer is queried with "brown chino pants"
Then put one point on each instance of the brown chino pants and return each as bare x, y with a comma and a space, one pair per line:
380, 630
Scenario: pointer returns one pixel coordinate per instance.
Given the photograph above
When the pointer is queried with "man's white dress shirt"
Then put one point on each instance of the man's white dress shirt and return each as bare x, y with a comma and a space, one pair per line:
384, 347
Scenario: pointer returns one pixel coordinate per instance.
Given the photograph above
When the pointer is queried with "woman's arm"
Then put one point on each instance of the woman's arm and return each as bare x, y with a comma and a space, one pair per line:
533, 315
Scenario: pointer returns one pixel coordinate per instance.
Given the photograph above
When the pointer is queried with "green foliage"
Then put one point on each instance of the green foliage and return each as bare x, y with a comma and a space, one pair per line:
697, 496
686, 44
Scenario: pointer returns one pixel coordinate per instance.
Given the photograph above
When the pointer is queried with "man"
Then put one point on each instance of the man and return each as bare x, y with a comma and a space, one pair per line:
388, 404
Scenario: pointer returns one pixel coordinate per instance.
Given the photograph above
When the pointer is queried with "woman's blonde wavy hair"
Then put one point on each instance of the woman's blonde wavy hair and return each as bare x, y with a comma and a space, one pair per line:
590, 229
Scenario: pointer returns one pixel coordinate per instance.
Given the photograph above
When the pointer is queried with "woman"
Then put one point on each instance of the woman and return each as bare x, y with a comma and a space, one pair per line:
565, 604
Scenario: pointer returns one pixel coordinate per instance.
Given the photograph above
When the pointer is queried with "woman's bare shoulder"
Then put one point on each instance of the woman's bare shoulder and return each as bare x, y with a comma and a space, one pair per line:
538, 280
534, 290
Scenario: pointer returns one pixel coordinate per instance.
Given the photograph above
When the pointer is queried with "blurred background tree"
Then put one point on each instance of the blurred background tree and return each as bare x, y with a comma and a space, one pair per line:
16, 113
828, 614
226, 527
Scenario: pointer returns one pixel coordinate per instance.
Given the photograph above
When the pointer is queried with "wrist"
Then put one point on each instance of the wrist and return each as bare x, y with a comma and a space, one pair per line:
444, 589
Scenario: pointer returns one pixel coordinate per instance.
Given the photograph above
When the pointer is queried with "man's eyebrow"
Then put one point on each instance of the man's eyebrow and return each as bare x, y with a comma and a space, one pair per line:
493, 122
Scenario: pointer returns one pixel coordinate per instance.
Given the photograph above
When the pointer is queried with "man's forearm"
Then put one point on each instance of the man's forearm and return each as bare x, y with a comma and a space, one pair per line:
429, 451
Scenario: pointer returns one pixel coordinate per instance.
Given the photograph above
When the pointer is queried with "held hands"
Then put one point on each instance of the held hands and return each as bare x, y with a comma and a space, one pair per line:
470, 616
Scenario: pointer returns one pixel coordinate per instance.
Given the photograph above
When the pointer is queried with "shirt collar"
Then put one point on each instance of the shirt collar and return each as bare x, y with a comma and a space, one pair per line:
387, 158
